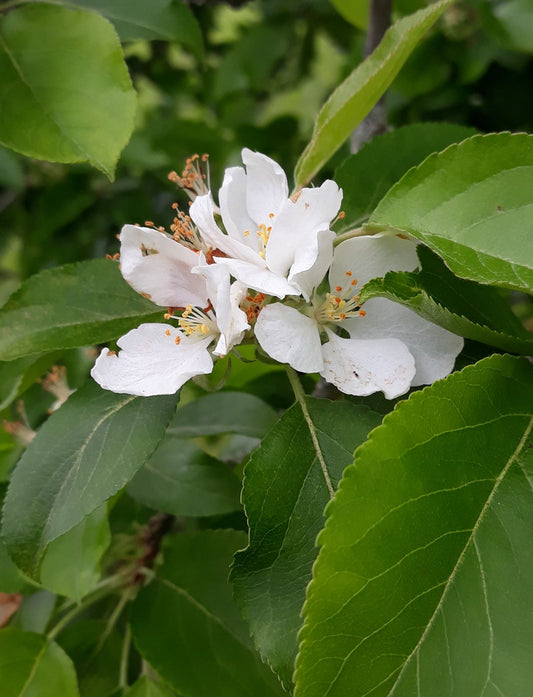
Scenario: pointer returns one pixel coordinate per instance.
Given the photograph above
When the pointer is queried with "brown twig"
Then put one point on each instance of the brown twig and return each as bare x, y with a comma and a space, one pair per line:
375, 122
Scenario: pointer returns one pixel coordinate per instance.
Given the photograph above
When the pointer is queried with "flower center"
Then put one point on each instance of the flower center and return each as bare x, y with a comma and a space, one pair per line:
263, 233
196, 322
252, 306
340, 304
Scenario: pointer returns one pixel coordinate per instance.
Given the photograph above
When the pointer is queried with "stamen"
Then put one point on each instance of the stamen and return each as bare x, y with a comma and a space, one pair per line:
185, 232
193, 178
252, 306
195, 321
340, 305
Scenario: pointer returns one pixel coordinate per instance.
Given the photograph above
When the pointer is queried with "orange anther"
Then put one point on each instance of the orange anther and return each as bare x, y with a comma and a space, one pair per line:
348, 273
354, 282
362, 313
167, 332
338, 288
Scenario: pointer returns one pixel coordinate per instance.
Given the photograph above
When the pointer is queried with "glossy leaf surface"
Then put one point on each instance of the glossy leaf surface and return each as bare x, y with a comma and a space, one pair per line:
424, 581
473, 205
464, 307
366, 176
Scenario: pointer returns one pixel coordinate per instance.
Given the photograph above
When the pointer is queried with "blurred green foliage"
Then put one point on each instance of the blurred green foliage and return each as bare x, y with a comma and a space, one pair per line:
266, 69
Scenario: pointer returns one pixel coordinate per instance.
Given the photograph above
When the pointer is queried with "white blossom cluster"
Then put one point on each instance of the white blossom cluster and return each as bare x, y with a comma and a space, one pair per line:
271, 275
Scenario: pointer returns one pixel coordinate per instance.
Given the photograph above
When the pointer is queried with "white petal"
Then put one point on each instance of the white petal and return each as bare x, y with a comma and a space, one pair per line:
293, 242
151, 363
371, 257
290, 337
434, 348
225, 298
159, 268
307, 281
260, 279
266, 186
232, 198
362, 367
202, 213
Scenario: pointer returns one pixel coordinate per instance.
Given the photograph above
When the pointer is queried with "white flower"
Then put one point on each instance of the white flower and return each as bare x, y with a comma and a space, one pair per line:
390, 347
158, 358
274, 244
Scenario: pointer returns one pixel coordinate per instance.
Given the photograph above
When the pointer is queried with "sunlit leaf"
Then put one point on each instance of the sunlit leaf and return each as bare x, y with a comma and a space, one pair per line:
66, 93
366, 176
424, 581
30, 664
473, 205
169, 20
355, 97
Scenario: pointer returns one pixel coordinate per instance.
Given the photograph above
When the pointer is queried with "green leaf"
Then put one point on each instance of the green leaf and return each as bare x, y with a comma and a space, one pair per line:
11, 580
367, 176
72, 305
424, 581
71, 565
147, 687
11, 172
96, 650
87, 451
354, 11
473, 205
188, 627
17, 375
181, 479
30, 664
168, 20
514, 24
284, 496
355, 97
464, 307
224, 412
65, 90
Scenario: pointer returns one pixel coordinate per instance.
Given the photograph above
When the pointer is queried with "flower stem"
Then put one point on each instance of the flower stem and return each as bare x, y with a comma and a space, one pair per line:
124, 659
300, 398
83, 605
356, 232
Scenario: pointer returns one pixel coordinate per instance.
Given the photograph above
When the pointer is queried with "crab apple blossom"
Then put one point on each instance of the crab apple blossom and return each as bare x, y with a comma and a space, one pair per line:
390, 347
275, 244
158, 358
